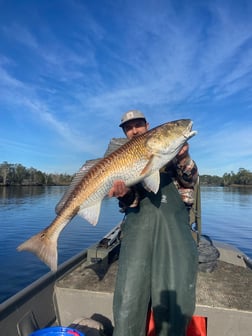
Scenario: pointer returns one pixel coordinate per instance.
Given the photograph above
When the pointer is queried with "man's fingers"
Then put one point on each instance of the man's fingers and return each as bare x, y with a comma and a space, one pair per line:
119, 189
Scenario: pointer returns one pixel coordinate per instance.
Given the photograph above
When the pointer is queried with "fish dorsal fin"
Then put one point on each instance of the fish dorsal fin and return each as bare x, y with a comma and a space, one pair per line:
77, 178
152, 182
91, 214
114, 144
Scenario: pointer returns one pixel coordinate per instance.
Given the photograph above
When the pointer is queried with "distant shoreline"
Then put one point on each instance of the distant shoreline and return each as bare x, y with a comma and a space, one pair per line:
67, 184
240, 185
34, 185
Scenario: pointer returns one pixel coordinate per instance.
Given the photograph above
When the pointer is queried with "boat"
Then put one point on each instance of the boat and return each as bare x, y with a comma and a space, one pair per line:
80, 294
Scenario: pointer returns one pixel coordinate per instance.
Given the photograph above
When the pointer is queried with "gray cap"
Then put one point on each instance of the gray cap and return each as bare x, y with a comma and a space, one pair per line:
131, 115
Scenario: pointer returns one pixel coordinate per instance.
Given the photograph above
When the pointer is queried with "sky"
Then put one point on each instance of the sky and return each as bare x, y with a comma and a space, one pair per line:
69, 69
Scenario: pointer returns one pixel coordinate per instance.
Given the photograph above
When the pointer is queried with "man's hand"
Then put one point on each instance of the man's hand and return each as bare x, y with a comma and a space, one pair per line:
183, 152
183, 155
119, 189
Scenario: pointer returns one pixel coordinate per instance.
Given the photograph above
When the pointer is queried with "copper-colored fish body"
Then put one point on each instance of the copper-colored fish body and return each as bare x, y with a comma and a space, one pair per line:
139, 159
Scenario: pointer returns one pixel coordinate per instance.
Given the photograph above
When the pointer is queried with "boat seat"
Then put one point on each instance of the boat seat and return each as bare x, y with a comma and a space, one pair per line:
27, 324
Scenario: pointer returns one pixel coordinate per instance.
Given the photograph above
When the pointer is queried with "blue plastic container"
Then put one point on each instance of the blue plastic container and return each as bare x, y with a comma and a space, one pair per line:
57, 331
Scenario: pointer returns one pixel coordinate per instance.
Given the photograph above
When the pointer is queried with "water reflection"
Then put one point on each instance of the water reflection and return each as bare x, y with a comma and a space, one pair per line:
242, 190
226, 215
242, 195
17, 195
14, 192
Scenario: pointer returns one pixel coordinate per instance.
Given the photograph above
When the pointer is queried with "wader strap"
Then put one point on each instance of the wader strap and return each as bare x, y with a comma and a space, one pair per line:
195, 213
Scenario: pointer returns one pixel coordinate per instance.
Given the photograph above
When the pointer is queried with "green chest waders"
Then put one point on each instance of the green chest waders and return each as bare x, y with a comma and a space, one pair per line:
158, 264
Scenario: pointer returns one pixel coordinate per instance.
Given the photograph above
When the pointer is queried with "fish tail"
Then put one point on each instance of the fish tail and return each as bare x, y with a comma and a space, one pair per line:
44, 246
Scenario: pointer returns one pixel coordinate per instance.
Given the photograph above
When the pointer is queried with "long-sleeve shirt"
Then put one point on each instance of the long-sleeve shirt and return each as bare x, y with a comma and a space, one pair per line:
184, 177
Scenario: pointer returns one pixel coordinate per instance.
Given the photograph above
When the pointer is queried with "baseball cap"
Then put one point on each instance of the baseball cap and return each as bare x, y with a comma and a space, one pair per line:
131, 115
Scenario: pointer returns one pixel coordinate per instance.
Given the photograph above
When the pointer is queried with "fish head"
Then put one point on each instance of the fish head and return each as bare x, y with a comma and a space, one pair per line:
169, 138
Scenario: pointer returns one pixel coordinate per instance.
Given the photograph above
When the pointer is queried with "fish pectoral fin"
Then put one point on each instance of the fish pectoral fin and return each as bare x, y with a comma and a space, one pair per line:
148, 166
91, 214
152, 182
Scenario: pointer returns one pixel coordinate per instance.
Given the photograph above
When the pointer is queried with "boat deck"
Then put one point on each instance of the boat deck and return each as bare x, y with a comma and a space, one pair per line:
222, 295
228, 286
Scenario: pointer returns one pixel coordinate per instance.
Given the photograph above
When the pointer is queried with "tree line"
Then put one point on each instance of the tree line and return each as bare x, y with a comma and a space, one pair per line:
242, 177
17, 174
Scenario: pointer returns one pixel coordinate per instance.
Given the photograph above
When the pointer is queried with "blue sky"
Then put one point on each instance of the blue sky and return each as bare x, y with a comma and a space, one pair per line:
69, 69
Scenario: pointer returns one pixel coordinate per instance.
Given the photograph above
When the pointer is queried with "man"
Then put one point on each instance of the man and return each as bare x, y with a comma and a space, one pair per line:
158, 257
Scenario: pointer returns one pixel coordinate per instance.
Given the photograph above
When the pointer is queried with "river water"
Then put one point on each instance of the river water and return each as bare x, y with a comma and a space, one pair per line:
24, 211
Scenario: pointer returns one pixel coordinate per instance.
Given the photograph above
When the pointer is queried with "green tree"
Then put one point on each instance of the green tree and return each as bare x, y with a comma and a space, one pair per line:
244, 177
4, 171
20, 173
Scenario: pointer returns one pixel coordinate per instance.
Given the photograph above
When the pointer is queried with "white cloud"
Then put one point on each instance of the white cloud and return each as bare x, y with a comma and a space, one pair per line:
78, 81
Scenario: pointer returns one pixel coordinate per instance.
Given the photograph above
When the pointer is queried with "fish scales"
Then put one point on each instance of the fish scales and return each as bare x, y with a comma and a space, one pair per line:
137, 160
117, 165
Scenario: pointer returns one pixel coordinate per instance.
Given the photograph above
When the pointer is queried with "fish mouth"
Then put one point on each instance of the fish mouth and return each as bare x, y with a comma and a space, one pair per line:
188, 134
190, 125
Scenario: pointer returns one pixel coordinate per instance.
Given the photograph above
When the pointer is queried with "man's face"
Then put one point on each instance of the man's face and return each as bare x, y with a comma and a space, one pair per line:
135, 127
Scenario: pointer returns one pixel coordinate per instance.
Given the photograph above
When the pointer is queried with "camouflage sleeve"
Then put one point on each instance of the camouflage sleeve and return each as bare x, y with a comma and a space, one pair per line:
186, 171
